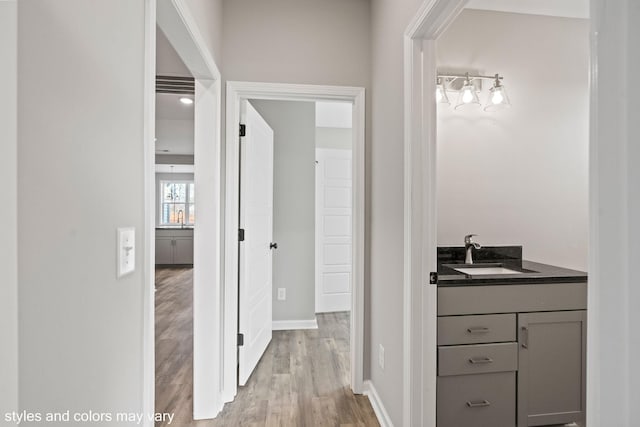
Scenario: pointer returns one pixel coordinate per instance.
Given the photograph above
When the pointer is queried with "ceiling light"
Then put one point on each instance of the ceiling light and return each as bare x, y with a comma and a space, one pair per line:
186, 101
498, 98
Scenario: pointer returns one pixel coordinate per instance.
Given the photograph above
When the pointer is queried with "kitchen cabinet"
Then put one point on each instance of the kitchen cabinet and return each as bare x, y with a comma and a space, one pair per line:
511, 355
174, 247
551, 367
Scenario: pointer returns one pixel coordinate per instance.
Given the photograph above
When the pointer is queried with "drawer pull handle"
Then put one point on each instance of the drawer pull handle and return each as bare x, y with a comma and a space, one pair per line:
478, 330
480, 360
525, 337
478, 403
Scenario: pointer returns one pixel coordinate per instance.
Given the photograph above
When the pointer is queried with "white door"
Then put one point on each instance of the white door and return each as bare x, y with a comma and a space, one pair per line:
333, 230
256, 218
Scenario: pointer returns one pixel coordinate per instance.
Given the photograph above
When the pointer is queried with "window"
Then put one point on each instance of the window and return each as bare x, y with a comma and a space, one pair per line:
177, 203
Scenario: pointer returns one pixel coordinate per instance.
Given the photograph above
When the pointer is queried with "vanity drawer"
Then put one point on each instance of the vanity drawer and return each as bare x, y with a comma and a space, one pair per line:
477, 359
487, 400
488, 328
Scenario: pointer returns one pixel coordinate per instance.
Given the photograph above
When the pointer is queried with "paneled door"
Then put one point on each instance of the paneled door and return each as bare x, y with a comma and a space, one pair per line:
256, 219
333, 230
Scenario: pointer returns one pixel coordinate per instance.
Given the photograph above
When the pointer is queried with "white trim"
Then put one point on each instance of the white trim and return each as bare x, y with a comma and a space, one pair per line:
420, 299
292, 325
376, 403
148, 268
237, 91
177, 23
183, 32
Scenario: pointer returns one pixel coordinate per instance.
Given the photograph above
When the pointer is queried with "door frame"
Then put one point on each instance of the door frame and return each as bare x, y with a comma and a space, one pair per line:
178, 24
420, 345
236, 92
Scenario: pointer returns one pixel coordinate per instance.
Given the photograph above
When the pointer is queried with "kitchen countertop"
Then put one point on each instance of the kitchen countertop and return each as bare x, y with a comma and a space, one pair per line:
506, 256
174, 228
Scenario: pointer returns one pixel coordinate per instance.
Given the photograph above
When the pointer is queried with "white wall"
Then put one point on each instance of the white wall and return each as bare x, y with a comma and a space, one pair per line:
8, 215
518, 176
80, 176
390, 19
340, 138
294, 153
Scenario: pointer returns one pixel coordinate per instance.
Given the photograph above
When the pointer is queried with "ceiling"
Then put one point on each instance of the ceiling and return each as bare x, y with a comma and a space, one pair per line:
174, 120
560, 8
169, 107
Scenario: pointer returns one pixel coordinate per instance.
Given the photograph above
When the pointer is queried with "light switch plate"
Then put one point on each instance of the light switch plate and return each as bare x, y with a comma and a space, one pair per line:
282, 294
126, 255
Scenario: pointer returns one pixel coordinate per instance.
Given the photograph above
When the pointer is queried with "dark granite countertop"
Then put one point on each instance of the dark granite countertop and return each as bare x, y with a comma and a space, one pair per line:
504, 256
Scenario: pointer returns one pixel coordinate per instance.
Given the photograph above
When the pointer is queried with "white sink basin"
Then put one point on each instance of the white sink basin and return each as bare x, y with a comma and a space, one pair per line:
475, 271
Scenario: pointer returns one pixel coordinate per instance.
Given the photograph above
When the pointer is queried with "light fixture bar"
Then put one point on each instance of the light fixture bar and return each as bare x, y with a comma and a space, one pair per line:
470, 76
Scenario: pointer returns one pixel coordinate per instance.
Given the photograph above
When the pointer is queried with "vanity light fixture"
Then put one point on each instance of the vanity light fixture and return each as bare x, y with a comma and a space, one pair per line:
467, 97
441, 93
186, 101
498, 98
468, 87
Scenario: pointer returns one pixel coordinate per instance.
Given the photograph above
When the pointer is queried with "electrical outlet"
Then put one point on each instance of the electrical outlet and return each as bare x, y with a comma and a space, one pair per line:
282, 294
381, 357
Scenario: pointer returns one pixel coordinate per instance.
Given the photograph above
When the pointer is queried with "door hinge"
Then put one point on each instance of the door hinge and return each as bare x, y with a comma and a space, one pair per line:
243, 130
240, 340
241, 235
433, 278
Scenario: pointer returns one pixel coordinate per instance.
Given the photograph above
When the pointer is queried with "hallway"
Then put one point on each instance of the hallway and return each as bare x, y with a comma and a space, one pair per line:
302, 379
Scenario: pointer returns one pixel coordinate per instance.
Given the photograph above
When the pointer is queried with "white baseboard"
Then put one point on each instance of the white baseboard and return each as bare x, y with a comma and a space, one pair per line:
376, 403
289, 325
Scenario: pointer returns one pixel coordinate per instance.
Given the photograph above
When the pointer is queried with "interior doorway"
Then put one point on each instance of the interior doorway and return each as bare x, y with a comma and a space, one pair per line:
237, 95
426, 28
171, 201
295, 252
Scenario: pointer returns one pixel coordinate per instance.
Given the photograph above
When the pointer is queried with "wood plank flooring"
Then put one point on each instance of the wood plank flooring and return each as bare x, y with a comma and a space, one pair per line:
302, 379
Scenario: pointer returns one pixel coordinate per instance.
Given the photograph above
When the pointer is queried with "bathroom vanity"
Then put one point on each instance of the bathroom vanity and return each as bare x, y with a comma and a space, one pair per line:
511, 341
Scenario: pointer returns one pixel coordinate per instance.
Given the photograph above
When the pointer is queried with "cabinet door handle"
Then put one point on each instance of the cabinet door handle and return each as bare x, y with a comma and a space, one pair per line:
525, 337
478, 330
480, 360
478, 403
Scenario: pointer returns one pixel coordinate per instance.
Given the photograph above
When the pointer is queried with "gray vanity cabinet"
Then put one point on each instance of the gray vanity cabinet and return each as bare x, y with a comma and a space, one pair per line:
511, 355
551, 367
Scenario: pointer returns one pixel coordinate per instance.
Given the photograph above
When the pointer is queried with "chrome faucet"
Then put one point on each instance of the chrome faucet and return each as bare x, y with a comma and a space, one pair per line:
469, 246
181, 218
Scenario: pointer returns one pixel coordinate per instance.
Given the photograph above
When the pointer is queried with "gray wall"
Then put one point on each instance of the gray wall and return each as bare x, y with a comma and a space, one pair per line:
339, 138
390, 19
518, 176
80, 177
8, 215
293, 125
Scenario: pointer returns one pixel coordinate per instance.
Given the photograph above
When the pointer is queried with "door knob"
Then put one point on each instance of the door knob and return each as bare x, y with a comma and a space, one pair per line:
273, 245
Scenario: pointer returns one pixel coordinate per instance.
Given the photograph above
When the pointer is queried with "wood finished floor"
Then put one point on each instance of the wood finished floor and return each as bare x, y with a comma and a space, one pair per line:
302, 379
